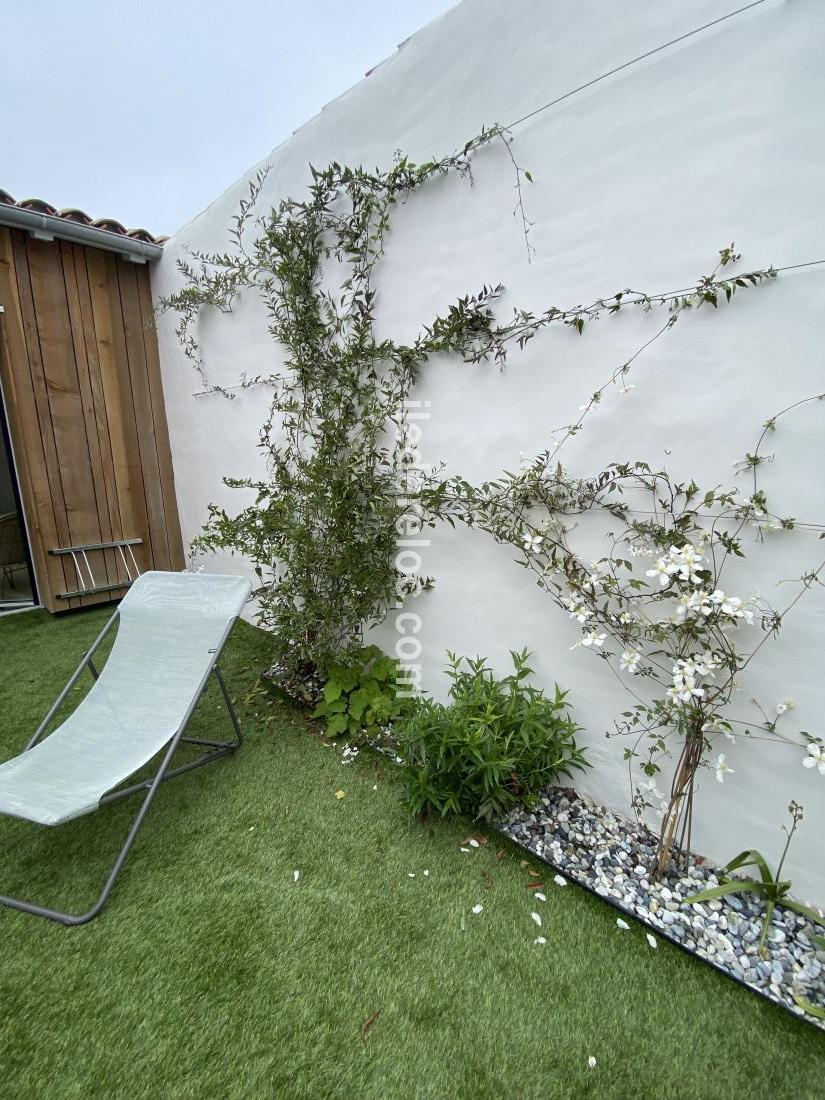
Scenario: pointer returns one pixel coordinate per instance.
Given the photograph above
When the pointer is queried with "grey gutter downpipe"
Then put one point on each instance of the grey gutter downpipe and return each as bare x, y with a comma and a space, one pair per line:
45, 227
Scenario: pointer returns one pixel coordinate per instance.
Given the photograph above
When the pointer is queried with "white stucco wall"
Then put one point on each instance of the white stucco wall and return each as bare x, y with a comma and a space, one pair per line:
639, 181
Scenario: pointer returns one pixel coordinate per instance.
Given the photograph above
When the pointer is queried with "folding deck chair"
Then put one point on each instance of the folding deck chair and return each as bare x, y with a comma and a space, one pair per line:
172, 630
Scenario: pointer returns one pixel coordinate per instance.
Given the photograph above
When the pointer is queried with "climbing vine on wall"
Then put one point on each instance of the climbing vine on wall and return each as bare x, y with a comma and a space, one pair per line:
323, 525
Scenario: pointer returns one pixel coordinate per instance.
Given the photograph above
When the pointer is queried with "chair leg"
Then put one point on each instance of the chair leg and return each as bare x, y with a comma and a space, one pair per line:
164, 772
90, 914
229, 707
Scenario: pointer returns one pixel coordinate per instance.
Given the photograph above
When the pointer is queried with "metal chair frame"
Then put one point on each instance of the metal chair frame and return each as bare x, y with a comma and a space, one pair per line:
215, 750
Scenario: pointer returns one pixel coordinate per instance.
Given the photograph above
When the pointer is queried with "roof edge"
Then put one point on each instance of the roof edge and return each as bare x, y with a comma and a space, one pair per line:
48, 227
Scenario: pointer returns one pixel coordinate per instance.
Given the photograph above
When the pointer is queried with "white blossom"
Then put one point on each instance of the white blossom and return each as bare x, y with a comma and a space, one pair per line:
748, 504
732, 606
722, 769
532, 543
815, 757
685, 688
577, 609
716, 726
629, 661
599, 570
591, 638
786, 704
660, 570
690, 602
680, 561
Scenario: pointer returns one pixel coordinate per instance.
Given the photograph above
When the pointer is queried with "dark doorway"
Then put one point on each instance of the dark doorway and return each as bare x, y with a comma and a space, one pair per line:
17, 587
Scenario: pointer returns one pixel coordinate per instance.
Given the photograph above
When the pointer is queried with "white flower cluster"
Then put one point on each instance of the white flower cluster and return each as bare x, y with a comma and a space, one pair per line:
629, 661
686, 672
680, 561
749, 506
599, 572
705, 603
578, 610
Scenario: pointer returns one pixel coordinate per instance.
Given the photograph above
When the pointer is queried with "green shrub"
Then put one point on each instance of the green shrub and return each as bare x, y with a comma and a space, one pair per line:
497, 743
362, 694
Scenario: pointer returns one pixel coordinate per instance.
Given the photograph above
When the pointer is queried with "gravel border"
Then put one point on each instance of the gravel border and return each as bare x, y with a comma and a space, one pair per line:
611, 856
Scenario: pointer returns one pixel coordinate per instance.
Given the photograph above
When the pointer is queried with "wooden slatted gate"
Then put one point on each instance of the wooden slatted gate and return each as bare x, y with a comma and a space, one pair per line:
83, 395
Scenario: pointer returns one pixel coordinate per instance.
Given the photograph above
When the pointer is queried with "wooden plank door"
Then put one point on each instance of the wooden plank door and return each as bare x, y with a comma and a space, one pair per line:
79, 367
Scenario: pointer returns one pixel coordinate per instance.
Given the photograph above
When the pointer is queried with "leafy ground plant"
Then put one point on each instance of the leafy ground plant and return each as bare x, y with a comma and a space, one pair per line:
771, 887
497, 743
362, 694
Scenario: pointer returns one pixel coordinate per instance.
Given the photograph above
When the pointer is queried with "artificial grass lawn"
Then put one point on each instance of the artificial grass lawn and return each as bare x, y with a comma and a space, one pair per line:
212, 974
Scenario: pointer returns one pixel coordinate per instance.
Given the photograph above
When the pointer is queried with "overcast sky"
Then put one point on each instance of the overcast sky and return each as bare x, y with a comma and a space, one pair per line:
146, 110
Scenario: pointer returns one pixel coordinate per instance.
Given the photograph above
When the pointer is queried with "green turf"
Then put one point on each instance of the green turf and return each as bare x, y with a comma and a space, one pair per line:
211, 974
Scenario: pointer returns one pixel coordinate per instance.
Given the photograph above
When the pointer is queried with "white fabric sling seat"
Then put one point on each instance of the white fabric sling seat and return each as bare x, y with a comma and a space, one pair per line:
172, 629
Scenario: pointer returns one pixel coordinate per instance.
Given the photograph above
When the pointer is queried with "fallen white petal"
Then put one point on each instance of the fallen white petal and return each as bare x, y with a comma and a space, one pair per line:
473, 843
622, 923
539, 939
539, 897
410, 874
559, 880
465, 849
425, 873
296, 875
591, 1061
375, 786
478, 909
536, 918
652, 940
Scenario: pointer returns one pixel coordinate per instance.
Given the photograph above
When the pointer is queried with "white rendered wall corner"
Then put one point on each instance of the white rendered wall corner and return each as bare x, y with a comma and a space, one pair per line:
639, 180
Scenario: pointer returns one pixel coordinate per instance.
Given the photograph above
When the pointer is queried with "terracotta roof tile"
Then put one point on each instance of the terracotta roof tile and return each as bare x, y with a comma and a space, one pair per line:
72, 214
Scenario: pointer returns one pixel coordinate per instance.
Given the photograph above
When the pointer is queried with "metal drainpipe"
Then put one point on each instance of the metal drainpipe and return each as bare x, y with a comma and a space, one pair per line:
45, 227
